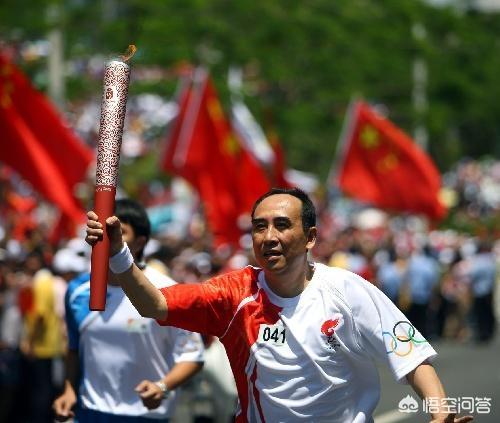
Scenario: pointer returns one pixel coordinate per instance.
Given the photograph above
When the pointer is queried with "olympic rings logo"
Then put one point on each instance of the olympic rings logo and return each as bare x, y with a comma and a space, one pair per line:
406, 338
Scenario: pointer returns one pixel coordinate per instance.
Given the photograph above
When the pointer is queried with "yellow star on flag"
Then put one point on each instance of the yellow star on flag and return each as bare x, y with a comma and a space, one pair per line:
369, 137
231, 145
215, 109
389, 162
8, 87
6, 70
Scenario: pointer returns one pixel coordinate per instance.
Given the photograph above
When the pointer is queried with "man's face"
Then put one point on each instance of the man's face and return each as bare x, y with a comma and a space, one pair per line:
279, 241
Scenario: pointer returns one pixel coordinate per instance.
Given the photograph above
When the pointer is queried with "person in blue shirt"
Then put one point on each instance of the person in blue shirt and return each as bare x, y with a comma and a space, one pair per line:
480, 272
422, 275
122, 367
390, 276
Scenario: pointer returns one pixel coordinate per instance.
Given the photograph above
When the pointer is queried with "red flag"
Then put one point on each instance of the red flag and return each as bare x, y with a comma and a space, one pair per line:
383, 166
266, 152
37, 144
279, 167
203, 150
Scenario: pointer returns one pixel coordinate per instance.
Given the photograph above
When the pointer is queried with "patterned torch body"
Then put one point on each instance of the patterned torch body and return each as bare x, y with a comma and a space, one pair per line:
113, 107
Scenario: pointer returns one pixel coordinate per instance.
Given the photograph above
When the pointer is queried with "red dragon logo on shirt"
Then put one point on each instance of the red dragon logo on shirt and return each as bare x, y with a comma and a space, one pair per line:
328, 329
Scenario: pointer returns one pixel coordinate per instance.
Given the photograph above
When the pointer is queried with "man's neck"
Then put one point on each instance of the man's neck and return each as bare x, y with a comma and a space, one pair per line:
292, 283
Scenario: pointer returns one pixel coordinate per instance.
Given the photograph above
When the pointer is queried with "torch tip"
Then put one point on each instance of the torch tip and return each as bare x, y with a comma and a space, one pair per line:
129, 53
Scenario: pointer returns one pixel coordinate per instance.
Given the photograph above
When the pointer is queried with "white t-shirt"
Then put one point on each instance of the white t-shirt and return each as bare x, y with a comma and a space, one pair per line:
309, 358
118, 349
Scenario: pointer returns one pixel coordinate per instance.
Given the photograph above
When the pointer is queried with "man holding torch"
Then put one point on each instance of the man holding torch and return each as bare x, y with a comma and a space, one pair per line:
301, 337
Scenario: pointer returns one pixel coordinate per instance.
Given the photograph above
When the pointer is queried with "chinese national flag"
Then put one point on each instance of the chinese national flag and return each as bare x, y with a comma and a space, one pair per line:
203, 150
383, 166
37, 144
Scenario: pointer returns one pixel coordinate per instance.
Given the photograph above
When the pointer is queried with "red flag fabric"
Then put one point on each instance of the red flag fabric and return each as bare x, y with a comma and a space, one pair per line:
383, 166
203, 150
279, 167
37, 144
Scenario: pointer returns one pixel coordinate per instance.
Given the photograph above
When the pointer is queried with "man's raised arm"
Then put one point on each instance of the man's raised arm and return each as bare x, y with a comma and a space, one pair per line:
144, 296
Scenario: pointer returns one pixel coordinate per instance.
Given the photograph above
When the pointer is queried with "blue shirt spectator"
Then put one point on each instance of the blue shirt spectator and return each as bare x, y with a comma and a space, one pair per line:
422, 275
482, 273
390, 277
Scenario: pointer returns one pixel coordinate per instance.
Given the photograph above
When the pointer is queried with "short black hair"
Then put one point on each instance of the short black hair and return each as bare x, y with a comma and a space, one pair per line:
308, 212
134, 214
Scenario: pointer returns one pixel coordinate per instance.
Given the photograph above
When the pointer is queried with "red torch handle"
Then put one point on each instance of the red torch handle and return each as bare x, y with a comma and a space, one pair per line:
104, 201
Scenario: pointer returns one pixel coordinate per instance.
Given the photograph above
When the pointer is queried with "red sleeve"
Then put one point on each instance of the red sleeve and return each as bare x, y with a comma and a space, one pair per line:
207, 307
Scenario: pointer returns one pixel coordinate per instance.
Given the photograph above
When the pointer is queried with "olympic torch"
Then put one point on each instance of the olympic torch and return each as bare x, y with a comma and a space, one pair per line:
113, 107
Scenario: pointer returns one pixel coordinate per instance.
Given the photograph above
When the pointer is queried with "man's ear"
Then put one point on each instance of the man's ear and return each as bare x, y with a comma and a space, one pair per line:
312, 235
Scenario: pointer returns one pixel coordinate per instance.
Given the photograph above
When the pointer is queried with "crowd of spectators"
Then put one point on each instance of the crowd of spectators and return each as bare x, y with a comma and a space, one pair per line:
443, 278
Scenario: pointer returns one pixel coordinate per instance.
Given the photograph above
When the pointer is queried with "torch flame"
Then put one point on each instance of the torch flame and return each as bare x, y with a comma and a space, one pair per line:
129, 53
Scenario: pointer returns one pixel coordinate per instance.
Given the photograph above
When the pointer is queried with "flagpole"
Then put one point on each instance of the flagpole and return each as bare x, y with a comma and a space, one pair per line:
342, 145
249, 133
55, 57
183, 84
199, 78
419, 94
234, 81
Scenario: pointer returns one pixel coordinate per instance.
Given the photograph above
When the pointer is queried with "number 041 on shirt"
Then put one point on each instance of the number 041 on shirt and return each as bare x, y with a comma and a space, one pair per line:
272, 334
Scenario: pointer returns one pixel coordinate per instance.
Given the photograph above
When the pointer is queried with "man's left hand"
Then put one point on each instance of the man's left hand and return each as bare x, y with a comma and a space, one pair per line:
150, 393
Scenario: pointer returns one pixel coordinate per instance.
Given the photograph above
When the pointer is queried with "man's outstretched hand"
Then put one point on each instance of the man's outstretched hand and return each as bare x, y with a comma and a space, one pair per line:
95, 232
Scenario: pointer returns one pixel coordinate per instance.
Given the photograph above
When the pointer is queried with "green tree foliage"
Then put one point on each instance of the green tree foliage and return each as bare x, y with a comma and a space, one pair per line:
303, 61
